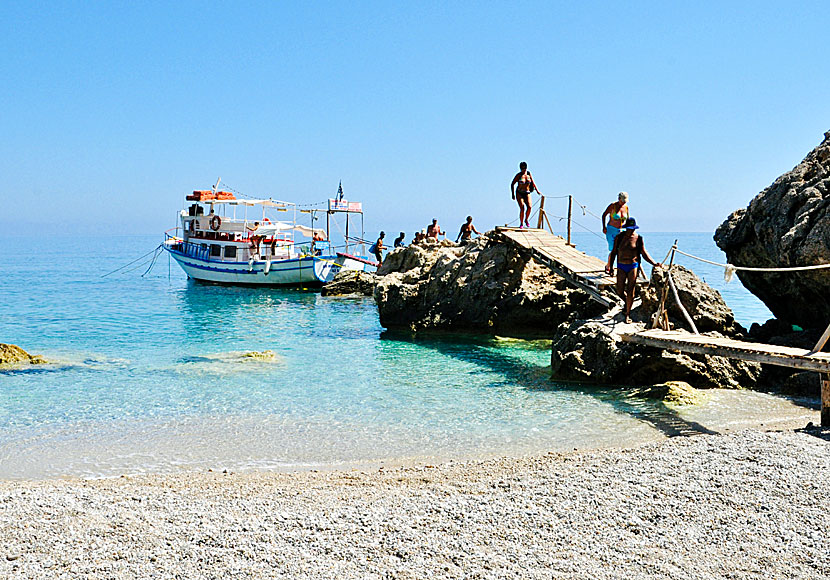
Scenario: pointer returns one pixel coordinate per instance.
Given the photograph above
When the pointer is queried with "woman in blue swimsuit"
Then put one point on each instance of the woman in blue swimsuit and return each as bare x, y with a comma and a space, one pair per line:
617, 213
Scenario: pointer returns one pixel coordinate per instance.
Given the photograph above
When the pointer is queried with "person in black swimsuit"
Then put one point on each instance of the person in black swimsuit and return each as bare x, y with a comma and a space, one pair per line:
520, 189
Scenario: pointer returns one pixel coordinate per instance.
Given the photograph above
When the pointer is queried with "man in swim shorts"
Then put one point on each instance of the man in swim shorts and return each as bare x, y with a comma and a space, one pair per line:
629, 250
378, 247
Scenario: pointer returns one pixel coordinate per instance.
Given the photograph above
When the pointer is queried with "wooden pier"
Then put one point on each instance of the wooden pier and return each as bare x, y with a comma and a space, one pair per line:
771, 354
578, 268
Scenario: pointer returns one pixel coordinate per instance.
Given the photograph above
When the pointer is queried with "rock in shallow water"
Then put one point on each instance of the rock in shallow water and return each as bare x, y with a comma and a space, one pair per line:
591, 351
787, 224
350, 282
678, 392
13, 355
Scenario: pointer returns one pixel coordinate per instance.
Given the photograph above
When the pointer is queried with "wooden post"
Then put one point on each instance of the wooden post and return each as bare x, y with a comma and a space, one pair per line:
823, 340
661, 310
570, 212
825, 399
550, 227
541, 212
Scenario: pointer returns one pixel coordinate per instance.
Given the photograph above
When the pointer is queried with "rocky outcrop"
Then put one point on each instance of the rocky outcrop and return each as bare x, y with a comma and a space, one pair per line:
13, 356
787, 224
484, 286
592, 351
350, 282
704, 304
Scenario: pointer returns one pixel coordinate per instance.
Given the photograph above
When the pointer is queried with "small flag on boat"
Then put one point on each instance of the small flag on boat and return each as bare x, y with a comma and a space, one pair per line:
340, 191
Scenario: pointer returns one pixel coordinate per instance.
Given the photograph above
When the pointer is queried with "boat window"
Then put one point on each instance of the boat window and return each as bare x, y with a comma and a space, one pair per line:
216, 250
230, 251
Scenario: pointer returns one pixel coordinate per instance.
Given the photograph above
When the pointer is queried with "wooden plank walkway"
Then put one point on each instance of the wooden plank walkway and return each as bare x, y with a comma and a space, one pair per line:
772, 354
581, 270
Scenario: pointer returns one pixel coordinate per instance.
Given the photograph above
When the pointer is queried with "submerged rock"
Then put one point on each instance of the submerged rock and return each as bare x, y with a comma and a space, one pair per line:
485, 286
677, 392
349, 282
787, 224
704, 304
265, 355
13, 355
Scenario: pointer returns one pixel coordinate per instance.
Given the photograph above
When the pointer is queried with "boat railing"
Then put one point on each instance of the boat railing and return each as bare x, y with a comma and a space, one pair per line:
200, 251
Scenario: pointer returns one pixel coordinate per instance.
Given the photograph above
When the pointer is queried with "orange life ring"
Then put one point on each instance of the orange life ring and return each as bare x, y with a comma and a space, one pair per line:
266, 221
215, 222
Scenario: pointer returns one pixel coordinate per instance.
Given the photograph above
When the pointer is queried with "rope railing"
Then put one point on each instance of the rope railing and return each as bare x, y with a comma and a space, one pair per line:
730, 269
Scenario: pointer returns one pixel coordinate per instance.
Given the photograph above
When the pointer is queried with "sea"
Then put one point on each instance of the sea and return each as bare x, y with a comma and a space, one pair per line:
150, 373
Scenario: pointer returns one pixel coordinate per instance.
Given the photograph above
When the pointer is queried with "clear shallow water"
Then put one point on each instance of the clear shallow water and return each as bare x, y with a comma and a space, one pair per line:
150, 377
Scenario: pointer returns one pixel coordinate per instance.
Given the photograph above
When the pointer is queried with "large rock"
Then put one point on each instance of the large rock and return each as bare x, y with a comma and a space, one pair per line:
787, 224
485, 286
12, 356
350, 282
705, 305
591, 351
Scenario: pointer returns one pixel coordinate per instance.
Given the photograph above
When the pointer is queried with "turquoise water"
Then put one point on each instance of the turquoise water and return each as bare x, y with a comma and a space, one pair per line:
149, 376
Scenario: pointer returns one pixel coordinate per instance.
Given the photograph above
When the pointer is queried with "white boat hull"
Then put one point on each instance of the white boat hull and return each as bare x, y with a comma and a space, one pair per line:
305, 271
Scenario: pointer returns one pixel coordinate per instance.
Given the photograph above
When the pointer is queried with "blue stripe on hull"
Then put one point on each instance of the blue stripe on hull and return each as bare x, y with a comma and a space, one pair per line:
304, 272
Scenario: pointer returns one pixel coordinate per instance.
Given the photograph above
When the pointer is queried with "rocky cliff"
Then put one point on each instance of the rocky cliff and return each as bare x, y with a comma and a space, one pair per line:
485, 286
787, 224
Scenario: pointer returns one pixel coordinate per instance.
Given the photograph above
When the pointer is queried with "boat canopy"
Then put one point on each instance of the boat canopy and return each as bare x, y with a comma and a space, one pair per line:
265, 202
273, 228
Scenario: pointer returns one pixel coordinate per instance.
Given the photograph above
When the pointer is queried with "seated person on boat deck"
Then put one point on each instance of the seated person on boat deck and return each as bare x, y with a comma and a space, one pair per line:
629, 249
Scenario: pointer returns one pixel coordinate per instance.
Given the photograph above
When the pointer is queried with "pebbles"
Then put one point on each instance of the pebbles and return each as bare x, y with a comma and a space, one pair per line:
744, 505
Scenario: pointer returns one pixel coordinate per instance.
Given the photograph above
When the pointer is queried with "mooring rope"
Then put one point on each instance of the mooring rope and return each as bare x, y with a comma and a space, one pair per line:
134, 261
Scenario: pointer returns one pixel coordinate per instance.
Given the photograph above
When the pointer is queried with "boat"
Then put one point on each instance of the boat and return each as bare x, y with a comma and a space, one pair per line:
214, 244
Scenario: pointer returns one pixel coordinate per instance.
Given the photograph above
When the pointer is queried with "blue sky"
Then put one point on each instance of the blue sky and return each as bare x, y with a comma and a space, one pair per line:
112, 112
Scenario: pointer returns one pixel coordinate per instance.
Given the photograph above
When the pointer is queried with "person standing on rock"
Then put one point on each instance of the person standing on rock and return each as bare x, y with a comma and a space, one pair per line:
520, 189
467, 231
629, 250
434, 230
617, 213
399, 241
377, 248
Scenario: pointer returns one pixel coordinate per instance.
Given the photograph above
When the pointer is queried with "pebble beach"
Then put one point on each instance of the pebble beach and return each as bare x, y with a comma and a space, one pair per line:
751, 504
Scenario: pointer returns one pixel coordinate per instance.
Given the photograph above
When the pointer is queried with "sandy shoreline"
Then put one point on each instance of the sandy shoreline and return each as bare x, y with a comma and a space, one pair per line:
751, 504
